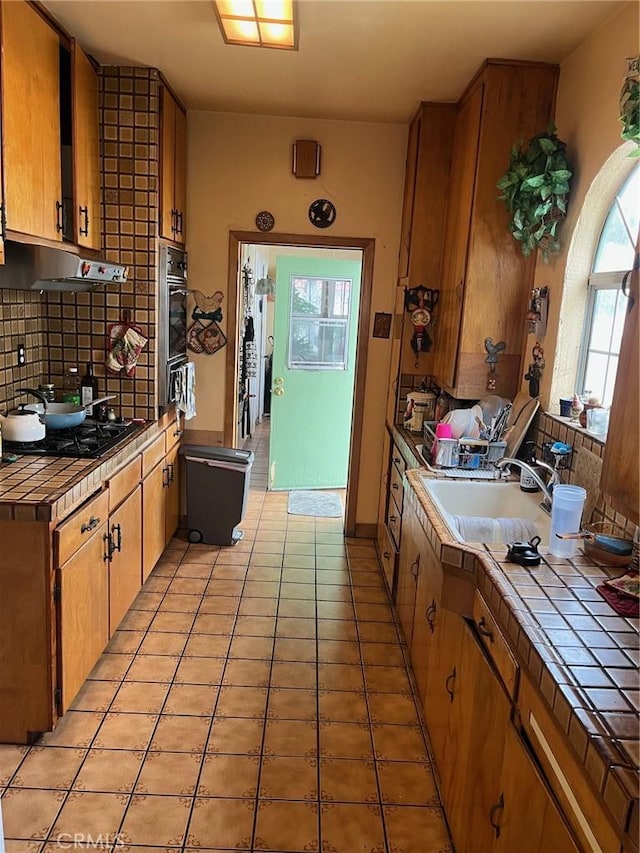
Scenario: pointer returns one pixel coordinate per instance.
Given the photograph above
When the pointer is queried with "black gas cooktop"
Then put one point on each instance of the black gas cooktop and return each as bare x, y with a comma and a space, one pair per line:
90, 440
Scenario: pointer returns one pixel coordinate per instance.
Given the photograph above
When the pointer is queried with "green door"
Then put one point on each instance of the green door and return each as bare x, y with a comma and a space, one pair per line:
315, 328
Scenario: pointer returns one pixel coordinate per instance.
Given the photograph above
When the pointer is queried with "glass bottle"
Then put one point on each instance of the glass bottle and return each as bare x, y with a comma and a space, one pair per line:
88, 389
71, 386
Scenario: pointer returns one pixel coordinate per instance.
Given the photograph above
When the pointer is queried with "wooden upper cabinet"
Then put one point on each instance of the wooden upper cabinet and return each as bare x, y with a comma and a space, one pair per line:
173, 137
486, 279
31, 122
619, 479
86, 150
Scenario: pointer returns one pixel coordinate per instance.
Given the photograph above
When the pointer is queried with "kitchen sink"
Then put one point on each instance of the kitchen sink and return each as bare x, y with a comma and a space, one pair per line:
495, 499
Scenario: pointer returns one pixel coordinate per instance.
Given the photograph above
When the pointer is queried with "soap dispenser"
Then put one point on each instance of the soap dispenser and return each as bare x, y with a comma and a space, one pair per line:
527, 483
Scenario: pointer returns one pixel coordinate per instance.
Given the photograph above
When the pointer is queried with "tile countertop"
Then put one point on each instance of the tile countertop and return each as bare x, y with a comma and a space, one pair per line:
49, 488
582, 656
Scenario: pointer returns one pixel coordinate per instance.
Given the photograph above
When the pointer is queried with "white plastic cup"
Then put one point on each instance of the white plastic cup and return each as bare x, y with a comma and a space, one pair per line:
566, 516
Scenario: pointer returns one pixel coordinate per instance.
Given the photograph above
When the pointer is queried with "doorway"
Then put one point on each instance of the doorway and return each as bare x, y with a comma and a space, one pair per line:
291, 376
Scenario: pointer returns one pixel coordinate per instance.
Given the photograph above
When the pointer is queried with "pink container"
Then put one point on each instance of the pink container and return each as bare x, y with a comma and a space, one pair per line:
443, 430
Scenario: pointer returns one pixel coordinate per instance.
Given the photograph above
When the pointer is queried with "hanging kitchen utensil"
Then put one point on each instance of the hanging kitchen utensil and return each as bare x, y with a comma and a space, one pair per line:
125, 342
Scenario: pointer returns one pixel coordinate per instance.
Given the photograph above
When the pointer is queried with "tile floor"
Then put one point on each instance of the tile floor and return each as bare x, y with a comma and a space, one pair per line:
254, 698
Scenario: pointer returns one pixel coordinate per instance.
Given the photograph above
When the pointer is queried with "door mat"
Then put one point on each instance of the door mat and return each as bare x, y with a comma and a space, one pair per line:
327, 504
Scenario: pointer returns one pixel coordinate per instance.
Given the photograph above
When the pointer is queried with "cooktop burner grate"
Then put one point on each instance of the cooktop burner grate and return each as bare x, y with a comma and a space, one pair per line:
90, 440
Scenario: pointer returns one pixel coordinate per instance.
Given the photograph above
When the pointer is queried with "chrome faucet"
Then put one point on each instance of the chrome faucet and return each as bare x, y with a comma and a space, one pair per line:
547, 488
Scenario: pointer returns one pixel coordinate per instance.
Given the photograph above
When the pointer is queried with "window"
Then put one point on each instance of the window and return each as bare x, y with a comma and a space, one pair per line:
606, 303
319, 323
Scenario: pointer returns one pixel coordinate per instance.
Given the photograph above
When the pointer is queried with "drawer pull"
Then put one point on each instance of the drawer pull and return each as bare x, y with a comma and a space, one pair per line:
397, 460
450, 678
485, 631
90, 525
492, 812
393, 518
386, 555
177, 433
395, 486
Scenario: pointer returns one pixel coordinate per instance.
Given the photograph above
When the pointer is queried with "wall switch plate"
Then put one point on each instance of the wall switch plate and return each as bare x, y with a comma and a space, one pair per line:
21, 352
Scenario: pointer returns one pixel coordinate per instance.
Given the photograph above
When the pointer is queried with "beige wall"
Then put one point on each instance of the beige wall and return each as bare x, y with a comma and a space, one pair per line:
587, 120
241, 164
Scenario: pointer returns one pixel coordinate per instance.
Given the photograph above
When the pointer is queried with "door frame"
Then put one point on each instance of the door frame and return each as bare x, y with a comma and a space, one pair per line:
367, 246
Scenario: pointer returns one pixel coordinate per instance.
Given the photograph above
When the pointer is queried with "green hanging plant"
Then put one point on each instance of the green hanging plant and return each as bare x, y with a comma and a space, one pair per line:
630, 106
535, 190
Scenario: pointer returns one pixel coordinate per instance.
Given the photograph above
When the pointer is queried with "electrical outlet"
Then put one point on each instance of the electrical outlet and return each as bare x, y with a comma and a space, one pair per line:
21, 352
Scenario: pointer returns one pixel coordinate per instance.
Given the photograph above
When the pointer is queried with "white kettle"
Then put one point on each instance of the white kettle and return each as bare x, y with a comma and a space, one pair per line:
22, 425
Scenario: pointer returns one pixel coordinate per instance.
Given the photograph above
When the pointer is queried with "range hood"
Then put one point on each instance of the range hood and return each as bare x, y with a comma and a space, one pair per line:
31, 267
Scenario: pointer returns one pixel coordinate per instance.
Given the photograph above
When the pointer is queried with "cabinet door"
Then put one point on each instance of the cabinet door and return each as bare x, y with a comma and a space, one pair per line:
619, 480
527, 818
86, 150
172, 494
168, 211
407, 204
125, 526
464, 158
473, 754
153, 501
31, 122
180, 174
84, 613
408, 571
427, 609
442, 681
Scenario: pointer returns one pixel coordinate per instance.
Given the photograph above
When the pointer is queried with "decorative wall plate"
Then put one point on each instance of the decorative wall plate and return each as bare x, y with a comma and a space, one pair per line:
322, 213
265, 221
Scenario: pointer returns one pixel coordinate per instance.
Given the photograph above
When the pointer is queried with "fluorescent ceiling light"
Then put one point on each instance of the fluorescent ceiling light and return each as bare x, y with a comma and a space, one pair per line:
258, 23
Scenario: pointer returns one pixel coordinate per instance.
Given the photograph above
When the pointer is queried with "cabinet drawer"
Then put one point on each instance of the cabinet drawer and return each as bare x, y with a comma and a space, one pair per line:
152, 455
398, 461
172, 436
77, 529
394, 523
396, 486
124, 482
495, 644
388, 558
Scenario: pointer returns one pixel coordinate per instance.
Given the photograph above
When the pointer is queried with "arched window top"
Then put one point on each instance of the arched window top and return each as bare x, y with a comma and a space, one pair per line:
616, 247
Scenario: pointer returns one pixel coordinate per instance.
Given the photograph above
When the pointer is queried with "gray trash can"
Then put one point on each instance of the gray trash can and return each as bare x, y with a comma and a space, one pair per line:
217, 481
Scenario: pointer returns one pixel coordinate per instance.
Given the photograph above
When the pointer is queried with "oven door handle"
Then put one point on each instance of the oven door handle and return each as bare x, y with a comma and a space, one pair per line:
181, 290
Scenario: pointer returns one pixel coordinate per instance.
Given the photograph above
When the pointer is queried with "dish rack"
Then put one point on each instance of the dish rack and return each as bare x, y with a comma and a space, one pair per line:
472, 454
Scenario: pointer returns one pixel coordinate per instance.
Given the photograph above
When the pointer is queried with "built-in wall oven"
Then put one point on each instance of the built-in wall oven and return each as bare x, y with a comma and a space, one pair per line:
172, 320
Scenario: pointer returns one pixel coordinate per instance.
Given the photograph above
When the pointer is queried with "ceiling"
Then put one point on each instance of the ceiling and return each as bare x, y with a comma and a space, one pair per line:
365, 60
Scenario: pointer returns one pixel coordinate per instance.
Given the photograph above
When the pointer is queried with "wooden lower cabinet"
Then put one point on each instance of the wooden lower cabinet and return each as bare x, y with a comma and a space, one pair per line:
427, 608
527, 819
408, 572
125, 528
494, 797
83, 626
172, 494
153, 529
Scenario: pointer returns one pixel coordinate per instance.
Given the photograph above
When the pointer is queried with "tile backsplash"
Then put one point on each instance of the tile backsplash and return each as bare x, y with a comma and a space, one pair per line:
21, 322
551, 428
70, 329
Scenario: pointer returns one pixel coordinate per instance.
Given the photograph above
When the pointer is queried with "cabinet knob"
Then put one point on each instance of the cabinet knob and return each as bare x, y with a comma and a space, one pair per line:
485, 631
450, 680
415, 565
90, 525
430, 613
496, 807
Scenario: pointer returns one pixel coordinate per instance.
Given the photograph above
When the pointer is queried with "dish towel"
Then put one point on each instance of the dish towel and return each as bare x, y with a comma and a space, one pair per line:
484, 529
186, 390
